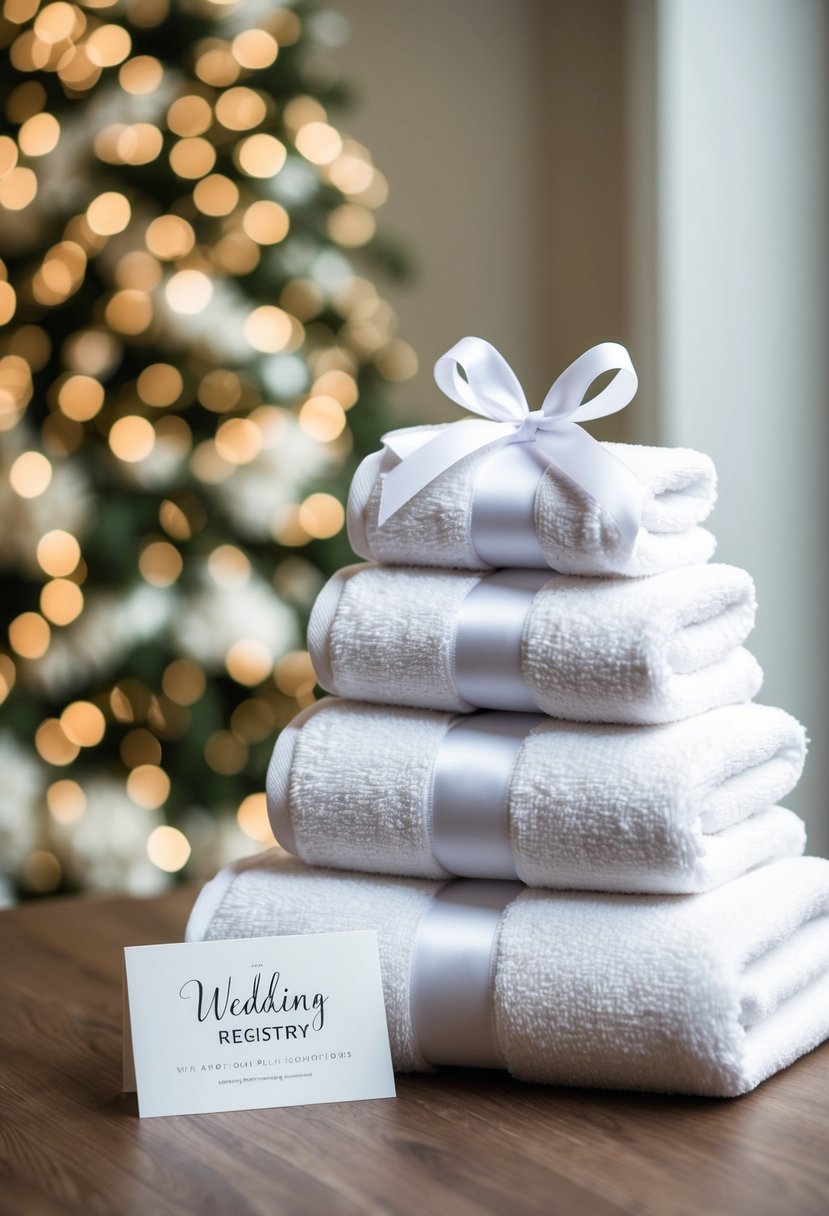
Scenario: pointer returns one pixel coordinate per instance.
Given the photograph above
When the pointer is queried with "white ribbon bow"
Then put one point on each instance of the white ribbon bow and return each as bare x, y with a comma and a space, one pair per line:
490, 388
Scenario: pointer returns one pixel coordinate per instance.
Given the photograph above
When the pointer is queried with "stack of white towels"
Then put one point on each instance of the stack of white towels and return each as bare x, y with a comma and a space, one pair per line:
587, 743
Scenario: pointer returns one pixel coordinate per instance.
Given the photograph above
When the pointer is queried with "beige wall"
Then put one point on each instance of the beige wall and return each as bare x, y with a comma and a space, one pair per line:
500, 128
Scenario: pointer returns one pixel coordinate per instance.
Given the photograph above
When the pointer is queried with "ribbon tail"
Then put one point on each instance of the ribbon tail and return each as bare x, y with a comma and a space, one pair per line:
428, 462
408, 439
601, 474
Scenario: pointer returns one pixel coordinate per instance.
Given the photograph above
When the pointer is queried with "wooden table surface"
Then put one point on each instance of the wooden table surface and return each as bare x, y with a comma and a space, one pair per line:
459, 1143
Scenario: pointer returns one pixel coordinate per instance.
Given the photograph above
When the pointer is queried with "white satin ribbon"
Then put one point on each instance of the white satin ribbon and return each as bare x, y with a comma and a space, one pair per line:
469, 819
489, 628
477, 377
451, 1000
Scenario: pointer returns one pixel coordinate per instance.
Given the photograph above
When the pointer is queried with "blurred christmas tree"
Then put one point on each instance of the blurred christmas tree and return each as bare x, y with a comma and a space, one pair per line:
183, 340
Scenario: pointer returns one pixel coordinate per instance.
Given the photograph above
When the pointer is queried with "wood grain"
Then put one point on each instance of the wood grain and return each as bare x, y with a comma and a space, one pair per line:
461, 1143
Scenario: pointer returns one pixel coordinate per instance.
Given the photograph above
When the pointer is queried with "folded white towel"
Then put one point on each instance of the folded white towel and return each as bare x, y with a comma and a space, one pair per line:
588, 650
674, 808
575, 534
705, 994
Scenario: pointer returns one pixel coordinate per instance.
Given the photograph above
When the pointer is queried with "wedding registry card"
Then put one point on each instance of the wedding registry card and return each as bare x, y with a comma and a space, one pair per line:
255, 1022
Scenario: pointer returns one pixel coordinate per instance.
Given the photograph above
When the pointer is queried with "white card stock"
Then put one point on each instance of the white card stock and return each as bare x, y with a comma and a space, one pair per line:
255, 1022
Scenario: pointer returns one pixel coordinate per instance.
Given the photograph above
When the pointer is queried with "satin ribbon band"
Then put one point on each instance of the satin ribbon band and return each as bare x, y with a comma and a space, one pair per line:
502, 517
474, 375
452, 972
488, 638
469, 800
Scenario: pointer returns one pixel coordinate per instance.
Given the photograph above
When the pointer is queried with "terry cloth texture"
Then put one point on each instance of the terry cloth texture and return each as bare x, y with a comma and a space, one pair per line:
592, 650
702, 994
677, 808
575, 533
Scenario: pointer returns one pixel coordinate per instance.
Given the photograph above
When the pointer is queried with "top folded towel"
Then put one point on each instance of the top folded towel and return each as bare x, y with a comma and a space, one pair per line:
505, 509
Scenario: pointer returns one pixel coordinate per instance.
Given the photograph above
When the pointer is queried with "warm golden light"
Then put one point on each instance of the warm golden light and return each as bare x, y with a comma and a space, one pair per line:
216, 195
143, 74
215, 64
190, 115
108, 45
260, 155
174, 521
225, 753
252, 817
61, 601
188, 291
30, 474
183, 682
17, 189
240, 109
143, 13
303, 298
81, 397
302, 110
351, 173
168, 848
254, 49
220, 390
248, 662
208, 466
29, 635
66, 801
351, 225
58, 553
160, 384
252, 720
322, 418
138, 270
76, 70
238, 440
108, 213
52, 744
169, 237
322, 516
228, 566
8, 155
266, 222
41, 870
83, 724
236, 253
148, 786
160, 563
8, 676
131, 438
62, 273
138, 747
397, 361
19, 11
55, 22
91, 351
286, 528
129, 311
192, 157
295, 674
137, 144
268, 329
318, 142
39, 135
339, 385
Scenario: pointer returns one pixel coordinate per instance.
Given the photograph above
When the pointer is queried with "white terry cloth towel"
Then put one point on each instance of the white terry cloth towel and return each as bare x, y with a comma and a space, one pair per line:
676, 808
568, 530
587, 650
702, 994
